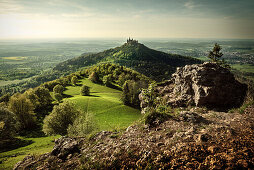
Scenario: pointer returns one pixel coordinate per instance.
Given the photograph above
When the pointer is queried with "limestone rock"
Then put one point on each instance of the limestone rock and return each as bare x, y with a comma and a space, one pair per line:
65, 146
206, 84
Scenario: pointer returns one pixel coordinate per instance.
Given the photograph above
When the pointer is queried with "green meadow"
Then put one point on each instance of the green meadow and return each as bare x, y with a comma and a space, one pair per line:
105, 105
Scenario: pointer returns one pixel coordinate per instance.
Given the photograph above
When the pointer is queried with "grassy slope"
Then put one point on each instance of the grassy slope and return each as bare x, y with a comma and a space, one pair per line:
105, 104
39, 146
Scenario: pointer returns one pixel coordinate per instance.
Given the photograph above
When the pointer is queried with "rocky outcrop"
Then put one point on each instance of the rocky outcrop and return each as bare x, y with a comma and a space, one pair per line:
65, 154
207, 84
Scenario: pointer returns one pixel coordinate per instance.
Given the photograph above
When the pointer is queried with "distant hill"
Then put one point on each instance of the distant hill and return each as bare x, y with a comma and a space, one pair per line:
154, 64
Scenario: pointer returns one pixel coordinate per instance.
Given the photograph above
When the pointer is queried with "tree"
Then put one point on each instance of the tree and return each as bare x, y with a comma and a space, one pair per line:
74, 80
58, 121
107, 80
131, 90
121, 79
40, 97
44, 97
58, 97
58, 89
8, 124
85, 90
215, 55
82, 125
23, 108
125, 94
94, 77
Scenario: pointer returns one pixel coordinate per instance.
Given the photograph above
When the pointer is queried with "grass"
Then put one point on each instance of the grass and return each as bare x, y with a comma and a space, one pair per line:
244, 67
104, 103
39, 146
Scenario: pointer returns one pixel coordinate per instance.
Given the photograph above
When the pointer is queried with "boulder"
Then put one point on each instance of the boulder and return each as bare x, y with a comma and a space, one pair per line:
206, 84
65, 146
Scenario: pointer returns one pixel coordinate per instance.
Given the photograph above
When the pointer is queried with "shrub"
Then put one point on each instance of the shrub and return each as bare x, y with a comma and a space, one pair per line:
74, 80
58, 89
153, 118
61, 117
94, 77
24, 111
5, 98
85, 90
82, 126
8, 124
58, 97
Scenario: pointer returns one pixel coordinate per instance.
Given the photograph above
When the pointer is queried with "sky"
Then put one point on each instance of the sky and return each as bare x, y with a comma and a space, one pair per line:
225, 19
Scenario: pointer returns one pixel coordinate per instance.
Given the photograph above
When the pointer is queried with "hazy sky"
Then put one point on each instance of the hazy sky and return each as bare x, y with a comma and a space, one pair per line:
124, 18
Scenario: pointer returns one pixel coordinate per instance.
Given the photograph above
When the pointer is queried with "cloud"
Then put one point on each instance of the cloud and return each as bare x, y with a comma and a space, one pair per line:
189, 4
9, 6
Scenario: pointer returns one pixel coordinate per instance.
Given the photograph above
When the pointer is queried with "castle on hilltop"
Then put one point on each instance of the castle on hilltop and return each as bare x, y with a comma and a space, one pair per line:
132, 41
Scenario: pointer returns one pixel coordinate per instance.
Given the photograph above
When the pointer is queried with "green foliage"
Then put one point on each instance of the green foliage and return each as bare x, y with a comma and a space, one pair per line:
107, 80
8, 124
58, 89
40, 98
5, 98
131, 90
216, 54
58, 97
23, 108
94, 77
153, 118
59, 120
85, 90
44, 97
150, 96
82, 125
74, 80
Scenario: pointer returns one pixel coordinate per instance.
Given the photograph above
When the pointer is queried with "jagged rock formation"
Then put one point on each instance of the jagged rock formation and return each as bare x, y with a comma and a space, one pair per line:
196, 139
206, 84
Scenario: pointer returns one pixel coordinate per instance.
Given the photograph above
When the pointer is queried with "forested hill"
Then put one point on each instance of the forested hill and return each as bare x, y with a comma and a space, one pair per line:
154, 64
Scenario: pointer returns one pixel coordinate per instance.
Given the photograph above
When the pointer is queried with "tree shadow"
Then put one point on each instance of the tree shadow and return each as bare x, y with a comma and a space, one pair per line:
114, 87
93, 96
14, 143
67, 96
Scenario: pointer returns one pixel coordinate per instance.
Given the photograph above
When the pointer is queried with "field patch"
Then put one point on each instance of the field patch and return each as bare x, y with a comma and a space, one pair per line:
16, 58
244, 67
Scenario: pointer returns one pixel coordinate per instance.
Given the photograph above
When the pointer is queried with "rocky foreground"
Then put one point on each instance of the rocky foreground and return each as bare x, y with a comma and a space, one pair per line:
195, 139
